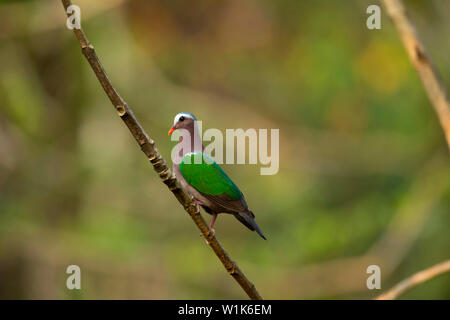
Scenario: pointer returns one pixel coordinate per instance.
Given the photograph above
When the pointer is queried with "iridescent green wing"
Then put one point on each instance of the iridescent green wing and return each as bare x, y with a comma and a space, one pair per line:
205, 175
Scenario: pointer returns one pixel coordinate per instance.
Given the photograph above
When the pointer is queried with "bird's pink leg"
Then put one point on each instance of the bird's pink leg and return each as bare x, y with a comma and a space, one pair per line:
199, 203
214, 216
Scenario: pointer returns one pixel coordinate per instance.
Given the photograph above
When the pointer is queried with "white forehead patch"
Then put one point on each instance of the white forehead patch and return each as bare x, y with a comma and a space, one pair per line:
183, 114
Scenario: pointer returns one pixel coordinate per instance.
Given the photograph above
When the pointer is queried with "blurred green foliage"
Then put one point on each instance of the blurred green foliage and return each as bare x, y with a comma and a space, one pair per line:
362, 155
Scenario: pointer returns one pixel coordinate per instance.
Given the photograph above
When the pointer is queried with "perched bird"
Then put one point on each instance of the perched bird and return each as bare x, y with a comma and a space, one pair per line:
204, 179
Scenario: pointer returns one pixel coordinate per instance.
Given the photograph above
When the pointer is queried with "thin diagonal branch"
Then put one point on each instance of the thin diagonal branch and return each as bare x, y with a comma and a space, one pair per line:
147, 146
415, 280
422, 62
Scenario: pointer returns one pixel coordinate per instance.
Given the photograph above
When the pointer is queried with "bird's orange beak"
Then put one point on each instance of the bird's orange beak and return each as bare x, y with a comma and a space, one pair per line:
171, 130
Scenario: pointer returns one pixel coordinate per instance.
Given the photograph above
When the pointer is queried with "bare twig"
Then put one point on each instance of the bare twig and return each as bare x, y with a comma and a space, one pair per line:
415, 280
422, 62
159, 164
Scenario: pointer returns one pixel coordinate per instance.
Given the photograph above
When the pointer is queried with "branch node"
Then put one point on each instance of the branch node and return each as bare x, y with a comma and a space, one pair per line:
420, 54
232, 271
121, 110
87, 46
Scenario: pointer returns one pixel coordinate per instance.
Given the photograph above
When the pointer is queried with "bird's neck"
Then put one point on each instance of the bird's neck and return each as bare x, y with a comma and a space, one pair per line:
190, 141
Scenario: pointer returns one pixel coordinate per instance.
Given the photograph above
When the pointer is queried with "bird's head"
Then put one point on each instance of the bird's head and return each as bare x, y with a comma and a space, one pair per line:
183, 120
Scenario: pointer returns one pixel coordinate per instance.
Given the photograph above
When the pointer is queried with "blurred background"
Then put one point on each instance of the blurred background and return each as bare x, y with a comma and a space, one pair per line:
364, 168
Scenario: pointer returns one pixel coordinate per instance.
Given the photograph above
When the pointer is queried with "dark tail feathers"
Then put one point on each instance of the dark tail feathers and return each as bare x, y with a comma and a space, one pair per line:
248, 220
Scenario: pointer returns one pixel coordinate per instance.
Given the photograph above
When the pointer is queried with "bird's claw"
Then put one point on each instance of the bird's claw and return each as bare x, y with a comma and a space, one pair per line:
198, 202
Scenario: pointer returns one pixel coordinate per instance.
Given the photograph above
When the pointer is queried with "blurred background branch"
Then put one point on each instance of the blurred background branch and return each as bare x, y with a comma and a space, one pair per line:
415, 280
435, 88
